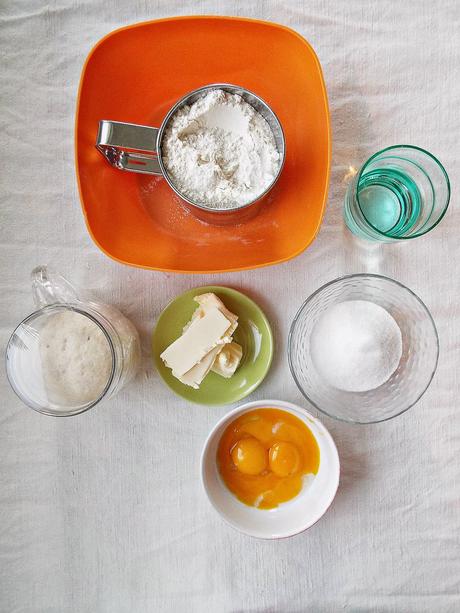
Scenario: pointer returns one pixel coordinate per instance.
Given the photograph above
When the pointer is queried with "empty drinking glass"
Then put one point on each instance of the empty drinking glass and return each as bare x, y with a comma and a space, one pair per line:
401, 192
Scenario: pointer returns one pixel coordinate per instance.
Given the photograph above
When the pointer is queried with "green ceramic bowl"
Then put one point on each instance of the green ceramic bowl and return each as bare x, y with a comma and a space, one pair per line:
253, 334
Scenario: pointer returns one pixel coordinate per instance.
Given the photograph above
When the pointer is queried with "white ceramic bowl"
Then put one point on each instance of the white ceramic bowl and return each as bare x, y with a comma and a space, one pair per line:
290, 517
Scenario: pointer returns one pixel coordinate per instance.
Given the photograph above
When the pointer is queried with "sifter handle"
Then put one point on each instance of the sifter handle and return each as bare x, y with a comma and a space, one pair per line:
128, 146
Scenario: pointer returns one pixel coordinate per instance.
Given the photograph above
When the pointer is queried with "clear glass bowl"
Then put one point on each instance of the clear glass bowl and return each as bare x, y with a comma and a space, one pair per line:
420, 350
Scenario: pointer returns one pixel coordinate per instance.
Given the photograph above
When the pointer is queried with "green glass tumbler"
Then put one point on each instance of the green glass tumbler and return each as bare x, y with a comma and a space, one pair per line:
401, 192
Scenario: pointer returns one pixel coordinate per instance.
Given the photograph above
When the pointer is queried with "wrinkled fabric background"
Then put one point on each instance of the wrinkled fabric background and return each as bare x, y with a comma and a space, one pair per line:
104, 512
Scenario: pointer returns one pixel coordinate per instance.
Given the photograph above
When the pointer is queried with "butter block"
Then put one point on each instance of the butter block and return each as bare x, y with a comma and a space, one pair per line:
203, 334
227, 360
194, 377
208, 301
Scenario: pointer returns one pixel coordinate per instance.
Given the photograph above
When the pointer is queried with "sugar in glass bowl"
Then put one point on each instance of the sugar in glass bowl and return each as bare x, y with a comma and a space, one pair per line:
410, 380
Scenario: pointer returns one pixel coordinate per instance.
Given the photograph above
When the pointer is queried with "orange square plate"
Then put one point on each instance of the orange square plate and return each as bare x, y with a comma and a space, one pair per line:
135, 75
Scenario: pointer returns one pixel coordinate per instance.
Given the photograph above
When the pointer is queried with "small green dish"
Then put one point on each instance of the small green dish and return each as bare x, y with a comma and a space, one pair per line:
253, 334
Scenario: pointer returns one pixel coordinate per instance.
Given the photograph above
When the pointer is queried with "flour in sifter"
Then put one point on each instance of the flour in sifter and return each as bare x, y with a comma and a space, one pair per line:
220, 152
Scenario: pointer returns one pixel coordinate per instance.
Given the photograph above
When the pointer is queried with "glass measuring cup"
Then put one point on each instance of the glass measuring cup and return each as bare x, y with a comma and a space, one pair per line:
137, 148
70, 353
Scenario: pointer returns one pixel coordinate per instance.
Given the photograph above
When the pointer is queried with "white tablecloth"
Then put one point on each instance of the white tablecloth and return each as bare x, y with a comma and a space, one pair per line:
104, 512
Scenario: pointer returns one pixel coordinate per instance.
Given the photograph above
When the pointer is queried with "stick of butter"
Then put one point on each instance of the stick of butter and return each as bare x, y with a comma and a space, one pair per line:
209, 301
195, 375
203, 334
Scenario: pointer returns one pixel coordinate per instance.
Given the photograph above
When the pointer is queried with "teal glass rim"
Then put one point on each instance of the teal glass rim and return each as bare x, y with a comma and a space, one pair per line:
425, 229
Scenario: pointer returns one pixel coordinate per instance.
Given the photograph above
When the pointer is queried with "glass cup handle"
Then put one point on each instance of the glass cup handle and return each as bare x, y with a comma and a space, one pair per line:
128, 146
49, 287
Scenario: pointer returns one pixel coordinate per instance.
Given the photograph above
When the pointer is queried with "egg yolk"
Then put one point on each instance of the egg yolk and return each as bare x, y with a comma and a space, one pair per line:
249, 456
284, 459
263, 456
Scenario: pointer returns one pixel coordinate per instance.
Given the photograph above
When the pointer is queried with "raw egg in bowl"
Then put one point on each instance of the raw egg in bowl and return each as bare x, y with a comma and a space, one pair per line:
270, 469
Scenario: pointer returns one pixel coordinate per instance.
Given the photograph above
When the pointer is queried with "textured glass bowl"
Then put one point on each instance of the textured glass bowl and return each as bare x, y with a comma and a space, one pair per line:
419, 352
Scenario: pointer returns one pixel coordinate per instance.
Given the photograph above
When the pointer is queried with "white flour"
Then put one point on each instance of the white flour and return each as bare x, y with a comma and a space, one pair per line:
356, 345
220, 152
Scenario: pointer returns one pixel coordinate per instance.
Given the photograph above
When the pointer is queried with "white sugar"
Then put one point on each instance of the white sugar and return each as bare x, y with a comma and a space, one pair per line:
356, 345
